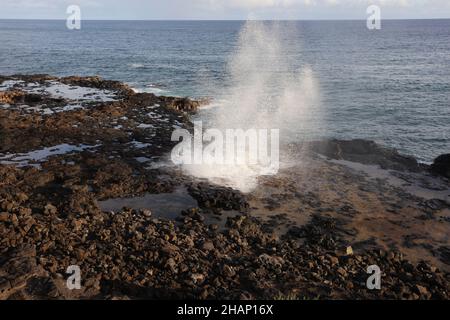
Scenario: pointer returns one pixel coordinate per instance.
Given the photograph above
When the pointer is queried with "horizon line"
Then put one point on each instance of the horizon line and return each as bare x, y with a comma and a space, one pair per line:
219, 20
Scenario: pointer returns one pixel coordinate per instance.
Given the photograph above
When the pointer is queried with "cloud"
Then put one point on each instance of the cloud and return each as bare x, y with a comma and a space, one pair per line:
323, 9
255, 4
48, 4
251, 4
224, 9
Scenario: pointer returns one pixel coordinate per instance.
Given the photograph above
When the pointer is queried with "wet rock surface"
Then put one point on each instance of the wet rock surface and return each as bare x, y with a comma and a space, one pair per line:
441, 165
364, 151
68, 143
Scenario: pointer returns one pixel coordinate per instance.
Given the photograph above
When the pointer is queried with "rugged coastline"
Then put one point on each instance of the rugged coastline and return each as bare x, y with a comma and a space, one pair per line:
69, 145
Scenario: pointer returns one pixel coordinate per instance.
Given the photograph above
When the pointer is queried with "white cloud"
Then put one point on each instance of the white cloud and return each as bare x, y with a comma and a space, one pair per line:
48, 4
255, 4
327, 9
224, 9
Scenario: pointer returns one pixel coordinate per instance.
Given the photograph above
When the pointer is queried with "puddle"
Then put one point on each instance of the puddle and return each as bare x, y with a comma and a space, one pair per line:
37, 156
166, 206
71, 92
139, 145
436, 189
57, 89
9, 84
163, 205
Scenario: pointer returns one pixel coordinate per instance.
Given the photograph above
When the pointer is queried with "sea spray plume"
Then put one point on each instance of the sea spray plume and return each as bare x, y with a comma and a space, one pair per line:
253, 71
265, 91
298, 113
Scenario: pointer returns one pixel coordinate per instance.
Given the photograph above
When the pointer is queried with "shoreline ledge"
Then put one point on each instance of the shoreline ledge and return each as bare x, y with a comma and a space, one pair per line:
71, 146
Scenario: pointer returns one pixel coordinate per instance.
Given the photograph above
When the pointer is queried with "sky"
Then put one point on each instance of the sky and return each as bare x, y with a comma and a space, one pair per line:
224, 9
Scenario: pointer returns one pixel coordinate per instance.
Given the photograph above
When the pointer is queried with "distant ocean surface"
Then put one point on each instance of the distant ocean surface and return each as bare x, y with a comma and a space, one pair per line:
391, 85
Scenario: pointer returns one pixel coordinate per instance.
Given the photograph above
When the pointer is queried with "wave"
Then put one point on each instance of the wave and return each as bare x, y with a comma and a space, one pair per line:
137, 65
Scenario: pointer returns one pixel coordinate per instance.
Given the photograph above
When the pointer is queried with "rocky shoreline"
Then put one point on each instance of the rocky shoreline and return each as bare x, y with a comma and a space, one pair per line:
69, 145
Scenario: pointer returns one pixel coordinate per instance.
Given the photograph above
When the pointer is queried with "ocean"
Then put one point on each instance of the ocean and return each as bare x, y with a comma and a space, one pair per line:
390, 85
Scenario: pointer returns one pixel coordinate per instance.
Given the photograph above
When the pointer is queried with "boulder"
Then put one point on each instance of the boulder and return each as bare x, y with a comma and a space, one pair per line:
441, 165
183, 104
12, 96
